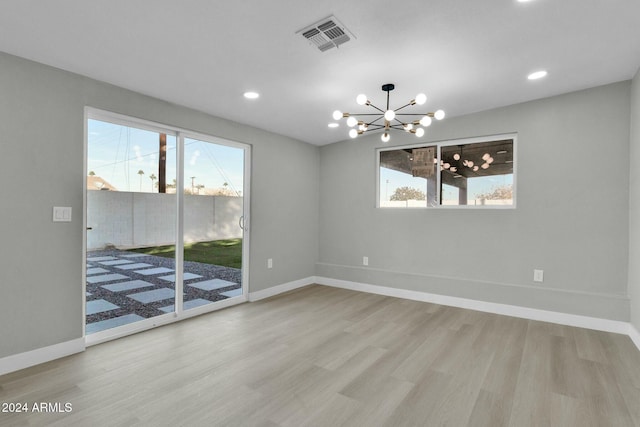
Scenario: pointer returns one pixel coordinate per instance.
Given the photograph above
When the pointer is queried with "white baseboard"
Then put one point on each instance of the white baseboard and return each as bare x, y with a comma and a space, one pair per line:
605, 325
598, 324
31, 358
285, 287
41, 355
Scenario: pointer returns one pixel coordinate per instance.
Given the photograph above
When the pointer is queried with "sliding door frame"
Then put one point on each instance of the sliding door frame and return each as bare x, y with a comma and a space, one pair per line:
91, 113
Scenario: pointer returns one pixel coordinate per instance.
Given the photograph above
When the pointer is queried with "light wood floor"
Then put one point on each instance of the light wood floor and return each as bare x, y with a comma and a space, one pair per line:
321, 356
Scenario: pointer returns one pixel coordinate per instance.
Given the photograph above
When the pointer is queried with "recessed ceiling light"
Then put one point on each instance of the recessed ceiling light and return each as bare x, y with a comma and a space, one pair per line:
537, 75
333, 125
251, 95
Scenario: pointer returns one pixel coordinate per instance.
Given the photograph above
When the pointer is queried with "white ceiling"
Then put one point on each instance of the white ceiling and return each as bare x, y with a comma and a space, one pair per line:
465, 55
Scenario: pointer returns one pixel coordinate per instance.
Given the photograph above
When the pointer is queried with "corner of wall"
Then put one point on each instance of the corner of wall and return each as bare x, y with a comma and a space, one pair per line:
634, 203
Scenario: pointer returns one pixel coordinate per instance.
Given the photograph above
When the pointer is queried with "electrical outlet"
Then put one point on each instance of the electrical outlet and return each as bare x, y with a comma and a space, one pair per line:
538, 275
270, 263
365, 260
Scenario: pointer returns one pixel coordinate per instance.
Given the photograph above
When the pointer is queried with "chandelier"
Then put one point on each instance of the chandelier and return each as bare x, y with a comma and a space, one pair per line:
388, 119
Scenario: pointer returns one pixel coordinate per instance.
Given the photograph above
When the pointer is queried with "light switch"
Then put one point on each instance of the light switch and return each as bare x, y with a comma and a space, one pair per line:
538, 275
61, 214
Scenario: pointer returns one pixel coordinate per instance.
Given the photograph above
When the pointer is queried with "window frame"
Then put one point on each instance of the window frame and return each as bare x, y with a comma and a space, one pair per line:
439, 145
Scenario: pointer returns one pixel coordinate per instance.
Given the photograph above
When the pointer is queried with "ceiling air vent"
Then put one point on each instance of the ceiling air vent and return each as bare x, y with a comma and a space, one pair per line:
326, 33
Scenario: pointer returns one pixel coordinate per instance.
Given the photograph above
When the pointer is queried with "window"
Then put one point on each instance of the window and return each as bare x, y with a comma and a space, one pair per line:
476, 172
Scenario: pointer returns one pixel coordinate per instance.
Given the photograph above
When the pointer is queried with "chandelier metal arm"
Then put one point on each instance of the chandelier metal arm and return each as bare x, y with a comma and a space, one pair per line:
404, 106
376, 125
379, 109
396, 120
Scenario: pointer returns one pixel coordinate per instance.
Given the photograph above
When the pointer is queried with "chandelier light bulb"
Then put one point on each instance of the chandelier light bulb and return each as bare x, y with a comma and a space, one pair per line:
421, 98
353, 133
420, 132
489, 160
385, 137
485, 156
470, 163
389, 115
352, 121
426, 121
408, 126
475, 168
454, 169
456, 156
337, 115
446, 166
485, 166
362, 127
439, 115
361, 99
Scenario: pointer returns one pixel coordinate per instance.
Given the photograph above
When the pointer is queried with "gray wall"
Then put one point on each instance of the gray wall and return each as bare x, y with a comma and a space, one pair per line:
634, 204
41, 166
571, 217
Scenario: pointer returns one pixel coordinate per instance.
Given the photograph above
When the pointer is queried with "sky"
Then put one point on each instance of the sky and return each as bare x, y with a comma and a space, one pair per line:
117, 153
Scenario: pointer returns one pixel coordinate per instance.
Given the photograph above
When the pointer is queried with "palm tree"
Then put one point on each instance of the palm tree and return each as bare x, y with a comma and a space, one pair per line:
141, 172
153, 177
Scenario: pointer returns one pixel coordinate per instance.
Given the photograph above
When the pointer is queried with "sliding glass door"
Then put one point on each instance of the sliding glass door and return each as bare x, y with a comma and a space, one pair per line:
213, 217
129, 209
165, 215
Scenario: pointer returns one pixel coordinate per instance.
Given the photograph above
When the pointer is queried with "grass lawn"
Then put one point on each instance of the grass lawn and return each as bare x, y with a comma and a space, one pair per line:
227, 253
